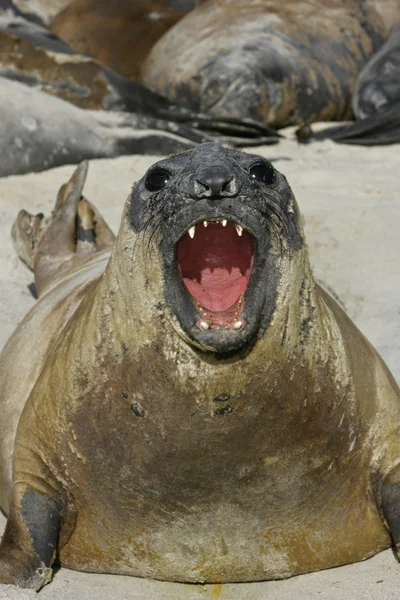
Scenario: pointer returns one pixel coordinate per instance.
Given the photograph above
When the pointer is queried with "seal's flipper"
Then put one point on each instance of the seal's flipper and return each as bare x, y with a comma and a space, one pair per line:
391, 511
85, 228
235, 132
379, 129
74, 228
25, 234
29, 544
92, 232
58, 240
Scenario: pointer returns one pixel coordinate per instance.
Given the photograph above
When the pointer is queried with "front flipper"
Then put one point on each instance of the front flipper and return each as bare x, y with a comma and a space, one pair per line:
390, 505
29, 545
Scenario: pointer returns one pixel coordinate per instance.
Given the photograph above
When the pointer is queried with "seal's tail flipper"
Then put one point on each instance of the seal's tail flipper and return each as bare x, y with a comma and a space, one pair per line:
379, 129
74, 228
92, 232
25, 233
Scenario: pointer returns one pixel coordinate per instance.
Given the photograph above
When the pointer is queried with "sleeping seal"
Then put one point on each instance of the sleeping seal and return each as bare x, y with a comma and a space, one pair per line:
280, 64
376, 101
31, 54
119, 34
38, 11
378, 84
195, 378
39, 131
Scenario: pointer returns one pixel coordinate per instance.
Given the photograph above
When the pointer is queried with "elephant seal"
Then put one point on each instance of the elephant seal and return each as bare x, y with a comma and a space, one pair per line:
280, 64
376, 101
34, 135
39, 11
196, 378
31, 54
118, 34
378, 84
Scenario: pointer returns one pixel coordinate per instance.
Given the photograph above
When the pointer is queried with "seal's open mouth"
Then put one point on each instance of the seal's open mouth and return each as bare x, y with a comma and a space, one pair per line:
215, 260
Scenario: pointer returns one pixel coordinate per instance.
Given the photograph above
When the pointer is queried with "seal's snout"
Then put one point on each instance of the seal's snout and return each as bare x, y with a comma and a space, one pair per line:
214, 182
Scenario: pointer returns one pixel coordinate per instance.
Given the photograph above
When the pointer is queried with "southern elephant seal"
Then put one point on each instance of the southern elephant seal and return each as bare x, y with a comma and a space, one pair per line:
195, 407
280, 64
38, 11
31, 54
376, 100
378, 84
121, 33
39, 131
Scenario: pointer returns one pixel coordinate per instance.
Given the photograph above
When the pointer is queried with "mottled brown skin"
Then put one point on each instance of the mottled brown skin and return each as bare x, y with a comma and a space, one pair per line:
118, 34
75, 78
279, 63
32, 55
41, 10
142, 449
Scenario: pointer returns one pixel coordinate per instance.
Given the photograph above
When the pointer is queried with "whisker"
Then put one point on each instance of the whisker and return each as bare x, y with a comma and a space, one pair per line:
151, 227
276, 230
275, 207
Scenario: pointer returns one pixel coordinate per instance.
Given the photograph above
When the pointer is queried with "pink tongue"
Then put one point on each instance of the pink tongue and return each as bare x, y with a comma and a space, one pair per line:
216, 265
218, 289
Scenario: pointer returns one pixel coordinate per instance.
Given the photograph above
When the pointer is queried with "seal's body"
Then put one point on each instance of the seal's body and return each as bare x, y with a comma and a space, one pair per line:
280, 64
201, 410
32, 57
41, 11
376, 100
378, 83
39, 139
118, 34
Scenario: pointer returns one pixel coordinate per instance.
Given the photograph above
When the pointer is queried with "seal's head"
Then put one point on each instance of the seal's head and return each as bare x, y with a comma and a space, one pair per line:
227, 223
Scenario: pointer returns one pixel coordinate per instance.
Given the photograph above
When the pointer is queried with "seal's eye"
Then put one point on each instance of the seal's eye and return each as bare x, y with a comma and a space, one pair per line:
262, 171
157, 179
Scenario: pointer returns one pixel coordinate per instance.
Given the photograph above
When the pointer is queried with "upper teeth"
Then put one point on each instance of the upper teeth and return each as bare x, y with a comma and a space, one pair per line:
224, 222
239, 229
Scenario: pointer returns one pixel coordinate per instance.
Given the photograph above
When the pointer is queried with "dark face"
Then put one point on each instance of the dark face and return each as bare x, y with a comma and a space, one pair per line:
226, 219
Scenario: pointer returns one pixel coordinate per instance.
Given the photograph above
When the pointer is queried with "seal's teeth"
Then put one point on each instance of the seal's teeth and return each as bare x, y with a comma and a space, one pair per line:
239, 229
237, 324
204, 325
205, 223
224, 222
192, 231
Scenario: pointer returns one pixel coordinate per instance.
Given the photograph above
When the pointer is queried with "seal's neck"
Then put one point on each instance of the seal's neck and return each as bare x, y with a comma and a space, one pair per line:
132, 314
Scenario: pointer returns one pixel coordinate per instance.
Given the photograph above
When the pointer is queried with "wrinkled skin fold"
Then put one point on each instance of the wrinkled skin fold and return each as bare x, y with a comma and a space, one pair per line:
137, 440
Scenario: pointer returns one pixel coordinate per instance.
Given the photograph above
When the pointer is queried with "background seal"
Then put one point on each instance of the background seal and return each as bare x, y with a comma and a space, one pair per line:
280, 65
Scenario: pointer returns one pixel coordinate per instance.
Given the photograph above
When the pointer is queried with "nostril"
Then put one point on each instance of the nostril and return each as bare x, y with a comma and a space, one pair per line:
228, 186
213, 185
214, 182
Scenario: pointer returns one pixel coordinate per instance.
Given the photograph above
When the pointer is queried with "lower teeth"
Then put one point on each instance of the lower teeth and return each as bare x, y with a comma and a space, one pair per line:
206, 325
